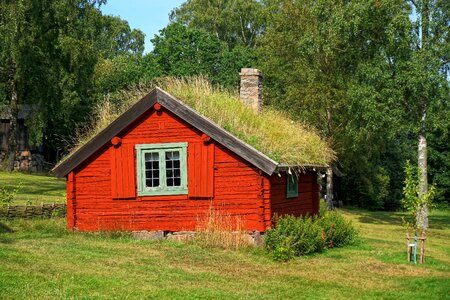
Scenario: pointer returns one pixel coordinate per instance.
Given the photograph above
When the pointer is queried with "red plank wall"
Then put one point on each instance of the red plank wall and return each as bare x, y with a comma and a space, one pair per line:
239, 188
306, 202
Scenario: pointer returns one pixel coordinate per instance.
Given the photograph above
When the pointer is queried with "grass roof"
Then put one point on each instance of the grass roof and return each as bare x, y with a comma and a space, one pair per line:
270, 131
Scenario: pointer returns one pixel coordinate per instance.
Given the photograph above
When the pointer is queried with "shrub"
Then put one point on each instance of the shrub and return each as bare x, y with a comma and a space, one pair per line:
338, 231
296, 236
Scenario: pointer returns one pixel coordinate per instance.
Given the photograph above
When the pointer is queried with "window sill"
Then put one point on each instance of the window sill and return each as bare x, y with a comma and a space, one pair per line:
163, 192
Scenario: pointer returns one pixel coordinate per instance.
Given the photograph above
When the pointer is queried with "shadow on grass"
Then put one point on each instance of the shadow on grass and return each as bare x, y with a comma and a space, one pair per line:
438, 221
381, 218
33, 184
53, 189
5, 229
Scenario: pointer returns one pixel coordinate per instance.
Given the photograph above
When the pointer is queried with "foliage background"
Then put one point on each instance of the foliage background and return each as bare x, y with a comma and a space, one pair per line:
356, 71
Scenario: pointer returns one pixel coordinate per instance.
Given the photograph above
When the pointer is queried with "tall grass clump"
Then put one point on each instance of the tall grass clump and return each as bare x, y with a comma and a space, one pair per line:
270, 131
297, 236
218, 229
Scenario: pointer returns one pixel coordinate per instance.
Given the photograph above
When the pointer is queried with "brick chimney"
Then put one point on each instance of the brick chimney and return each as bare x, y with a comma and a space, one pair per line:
251, 88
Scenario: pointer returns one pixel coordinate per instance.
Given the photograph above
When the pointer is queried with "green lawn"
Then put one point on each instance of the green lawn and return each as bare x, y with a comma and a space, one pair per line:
40, 260
35, 189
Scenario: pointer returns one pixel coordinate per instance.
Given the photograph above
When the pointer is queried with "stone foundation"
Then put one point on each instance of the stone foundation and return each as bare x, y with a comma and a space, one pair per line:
254, 237
26, 161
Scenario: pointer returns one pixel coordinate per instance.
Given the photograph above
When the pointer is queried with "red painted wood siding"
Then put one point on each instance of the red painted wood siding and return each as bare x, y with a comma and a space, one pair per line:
201, 170
306, 202
239, 189
70, 192
123, 172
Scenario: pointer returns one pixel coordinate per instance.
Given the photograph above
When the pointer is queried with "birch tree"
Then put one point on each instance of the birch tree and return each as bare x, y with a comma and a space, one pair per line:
427, 81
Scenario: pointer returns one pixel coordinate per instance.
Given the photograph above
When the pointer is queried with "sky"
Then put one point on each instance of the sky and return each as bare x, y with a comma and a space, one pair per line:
150, 16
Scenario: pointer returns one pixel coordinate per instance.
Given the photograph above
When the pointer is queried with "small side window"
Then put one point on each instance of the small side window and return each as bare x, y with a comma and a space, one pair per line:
161, 169
292, 186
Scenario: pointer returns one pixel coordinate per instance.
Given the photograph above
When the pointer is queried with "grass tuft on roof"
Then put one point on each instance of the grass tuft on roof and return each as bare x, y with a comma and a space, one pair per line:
270, 131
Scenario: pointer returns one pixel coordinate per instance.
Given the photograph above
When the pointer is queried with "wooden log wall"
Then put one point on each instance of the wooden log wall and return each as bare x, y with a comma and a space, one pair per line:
307, 201
239, 188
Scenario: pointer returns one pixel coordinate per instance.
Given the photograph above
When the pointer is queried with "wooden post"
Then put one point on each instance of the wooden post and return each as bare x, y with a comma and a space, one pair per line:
330, 188
422, 247
408, 248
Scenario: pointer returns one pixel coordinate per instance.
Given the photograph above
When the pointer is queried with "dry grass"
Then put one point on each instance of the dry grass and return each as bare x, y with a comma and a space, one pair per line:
270, 131
220, 229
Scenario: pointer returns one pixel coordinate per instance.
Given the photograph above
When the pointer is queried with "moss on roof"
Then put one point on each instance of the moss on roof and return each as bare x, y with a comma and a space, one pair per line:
270, 131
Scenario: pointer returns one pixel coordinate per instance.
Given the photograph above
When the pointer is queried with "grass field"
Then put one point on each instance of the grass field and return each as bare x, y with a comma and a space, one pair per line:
35, 189
39, 259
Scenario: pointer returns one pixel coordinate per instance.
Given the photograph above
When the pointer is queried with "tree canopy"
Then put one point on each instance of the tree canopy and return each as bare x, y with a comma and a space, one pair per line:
48, 55
236, 22
371, 76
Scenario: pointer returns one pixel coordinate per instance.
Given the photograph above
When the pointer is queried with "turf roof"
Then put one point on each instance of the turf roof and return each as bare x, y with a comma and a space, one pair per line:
271, 132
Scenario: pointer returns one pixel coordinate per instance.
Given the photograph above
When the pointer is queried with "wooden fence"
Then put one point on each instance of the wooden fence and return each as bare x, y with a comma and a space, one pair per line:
33, 211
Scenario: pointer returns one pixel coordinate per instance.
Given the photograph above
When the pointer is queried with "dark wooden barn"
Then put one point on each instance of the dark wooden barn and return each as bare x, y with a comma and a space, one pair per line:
24, 112
161, 165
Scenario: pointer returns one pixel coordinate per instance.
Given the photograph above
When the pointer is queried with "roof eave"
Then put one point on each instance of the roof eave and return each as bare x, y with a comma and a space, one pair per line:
285, 167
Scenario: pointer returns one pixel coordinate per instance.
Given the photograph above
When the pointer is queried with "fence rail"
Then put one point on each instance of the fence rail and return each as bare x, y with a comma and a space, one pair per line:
33, 211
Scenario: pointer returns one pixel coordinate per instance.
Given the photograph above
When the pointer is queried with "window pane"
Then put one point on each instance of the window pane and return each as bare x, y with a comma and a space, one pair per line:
173, 168
154, 156
176, 164
152, 169
292, 185
176, 155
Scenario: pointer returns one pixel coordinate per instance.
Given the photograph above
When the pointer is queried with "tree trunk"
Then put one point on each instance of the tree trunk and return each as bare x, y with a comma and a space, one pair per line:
12, 139
422, 210
330, 188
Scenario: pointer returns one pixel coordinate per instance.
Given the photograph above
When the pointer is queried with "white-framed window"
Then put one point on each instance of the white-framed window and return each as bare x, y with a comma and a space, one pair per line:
161, 169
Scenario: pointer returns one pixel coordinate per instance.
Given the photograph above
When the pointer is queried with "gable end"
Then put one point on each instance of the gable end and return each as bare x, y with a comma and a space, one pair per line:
119, 124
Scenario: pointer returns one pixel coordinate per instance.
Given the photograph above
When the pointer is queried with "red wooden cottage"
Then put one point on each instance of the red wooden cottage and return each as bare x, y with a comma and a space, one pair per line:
160, 165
